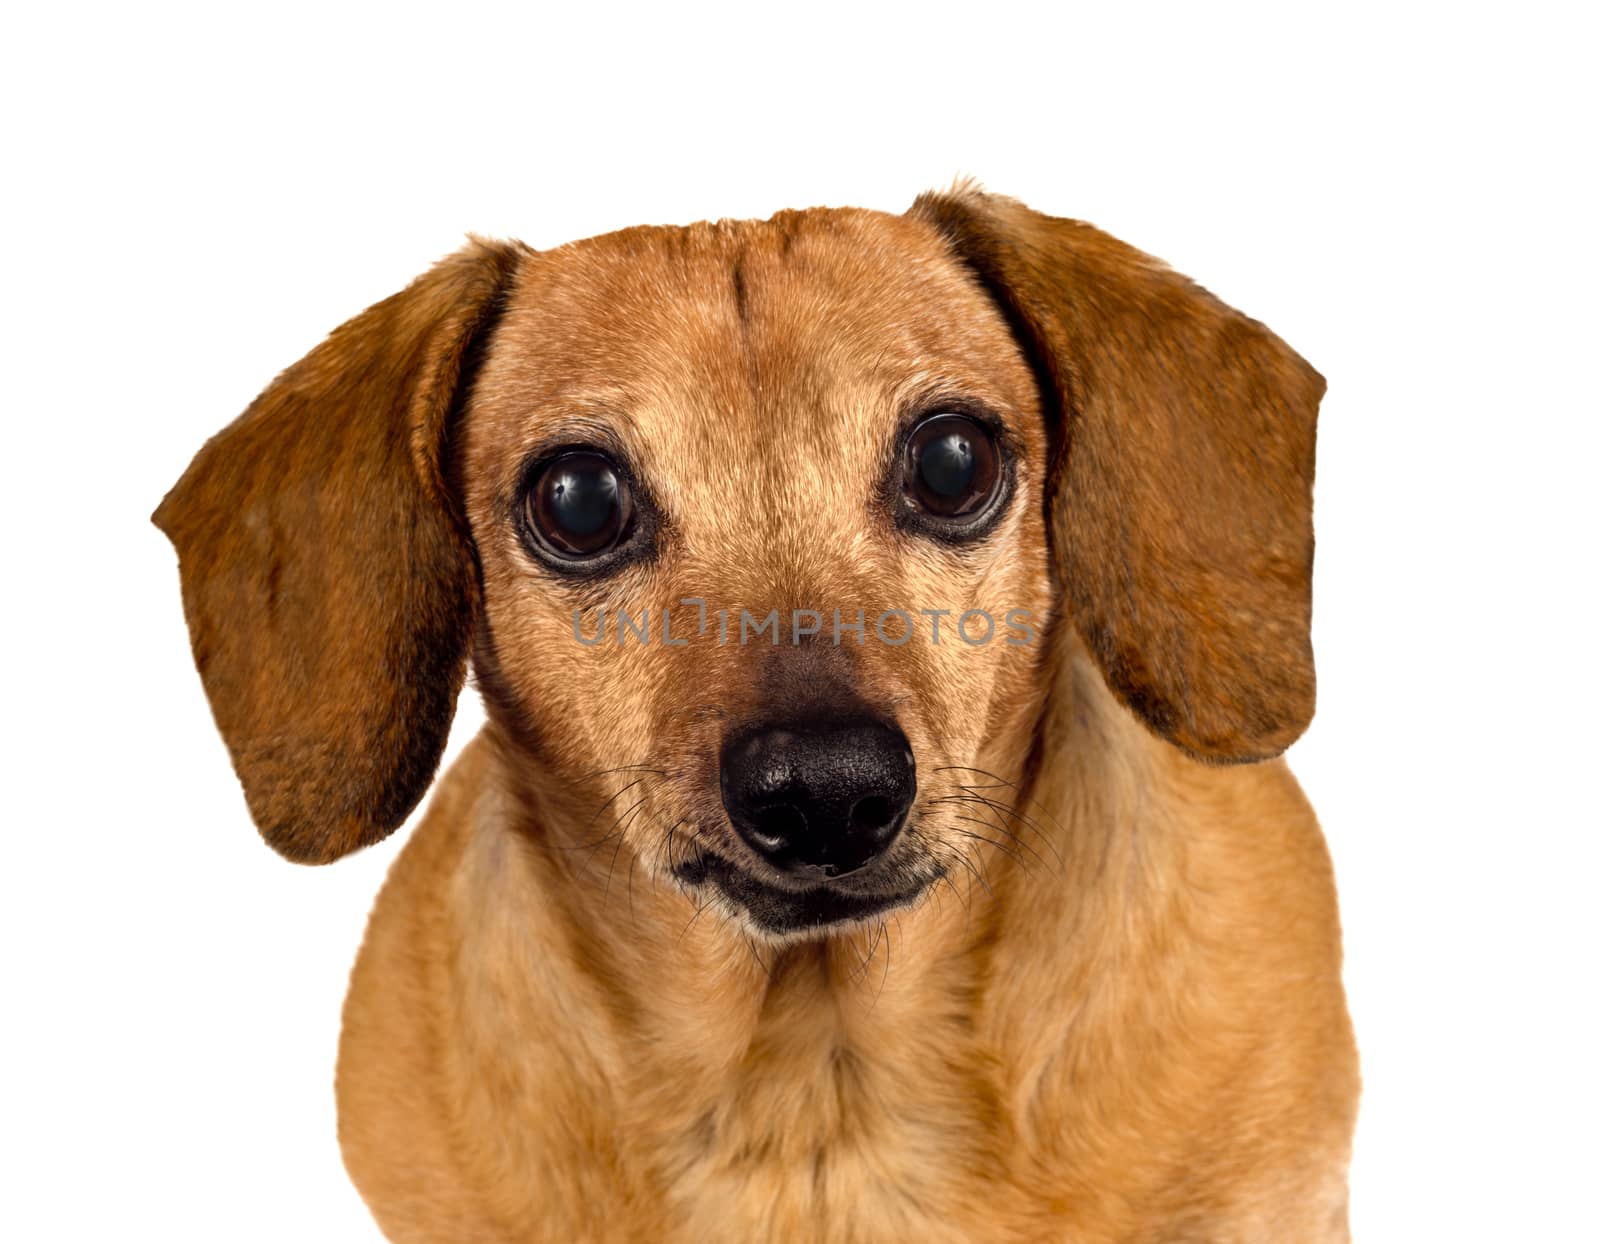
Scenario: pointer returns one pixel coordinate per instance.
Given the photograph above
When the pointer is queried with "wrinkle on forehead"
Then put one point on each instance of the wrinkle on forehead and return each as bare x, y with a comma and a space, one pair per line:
755, 373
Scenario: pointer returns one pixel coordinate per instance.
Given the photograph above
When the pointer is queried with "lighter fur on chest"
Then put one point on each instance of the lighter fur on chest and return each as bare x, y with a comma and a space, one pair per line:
798, 1094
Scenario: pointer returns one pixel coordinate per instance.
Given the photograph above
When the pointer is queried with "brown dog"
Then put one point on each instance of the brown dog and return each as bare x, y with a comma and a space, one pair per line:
742, 920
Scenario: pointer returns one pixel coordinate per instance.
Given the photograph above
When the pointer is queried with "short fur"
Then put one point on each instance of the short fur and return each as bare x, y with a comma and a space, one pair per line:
1118, 1014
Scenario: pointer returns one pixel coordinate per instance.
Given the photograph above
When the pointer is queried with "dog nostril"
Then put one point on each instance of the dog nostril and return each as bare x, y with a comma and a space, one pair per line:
871, 814
778, 826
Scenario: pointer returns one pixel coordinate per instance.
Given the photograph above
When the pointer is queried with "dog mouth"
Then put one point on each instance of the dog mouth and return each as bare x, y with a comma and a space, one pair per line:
817, 909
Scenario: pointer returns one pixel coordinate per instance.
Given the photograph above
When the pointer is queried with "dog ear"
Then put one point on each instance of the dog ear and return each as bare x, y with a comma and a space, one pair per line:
328, 580
1180, 495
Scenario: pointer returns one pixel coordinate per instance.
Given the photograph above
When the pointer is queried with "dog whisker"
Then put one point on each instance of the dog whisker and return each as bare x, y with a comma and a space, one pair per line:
667, 858
961, 858
969, 794
622, 838
976, 865
1017, 843
755, 952
995, 780
998, 846
614, 797
888, 954
1010, 812
984, 806
633, 863
700, 905
863, 958
594, 843
600, 773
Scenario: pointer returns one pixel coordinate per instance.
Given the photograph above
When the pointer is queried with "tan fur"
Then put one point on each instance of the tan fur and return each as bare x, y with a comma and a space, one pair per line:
1118, 1018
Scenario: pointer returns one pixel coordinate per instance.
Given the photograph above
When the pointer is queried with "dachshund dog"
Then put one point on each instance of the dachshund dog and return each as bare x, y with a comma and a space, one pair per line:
888, 627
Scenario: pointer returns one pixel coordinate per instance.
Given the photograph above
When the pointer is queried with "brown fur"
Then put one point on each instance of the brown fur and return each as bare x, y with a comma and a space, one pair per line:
1118, 1018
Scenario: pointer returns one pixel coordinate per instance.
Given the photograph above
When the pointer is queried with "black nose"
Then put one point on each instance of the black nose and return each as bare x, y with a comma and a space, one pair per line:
818, 800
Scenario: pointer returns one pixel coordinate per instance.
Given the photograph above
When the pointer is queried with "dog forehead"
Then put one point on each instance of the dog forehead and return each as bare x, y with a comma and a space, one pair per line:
790, 338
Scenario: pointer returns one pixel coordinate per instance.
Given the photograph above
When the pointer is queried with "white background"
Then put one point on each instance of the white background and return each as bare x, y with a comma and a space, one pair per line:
192, 198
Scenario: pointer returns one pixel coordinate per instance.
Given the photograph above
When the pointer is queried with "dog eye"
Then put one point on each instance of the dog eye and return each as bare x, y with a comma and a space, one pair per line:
579, 505
952, 467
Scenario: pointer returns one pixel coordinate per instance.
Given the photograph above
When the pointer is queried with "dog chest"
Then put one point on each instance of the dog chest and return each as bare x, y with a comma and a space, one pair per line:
834, 1143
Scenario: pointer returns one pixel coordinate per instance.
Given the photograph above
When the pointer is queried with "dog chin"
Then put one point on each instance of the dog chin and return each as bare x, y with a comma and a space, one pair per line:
792, 915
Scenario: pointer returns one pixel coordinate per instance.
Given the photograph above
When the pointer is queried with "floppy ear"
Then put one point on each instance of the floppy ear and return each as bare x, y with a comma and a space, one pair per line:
1181, 494
328, 580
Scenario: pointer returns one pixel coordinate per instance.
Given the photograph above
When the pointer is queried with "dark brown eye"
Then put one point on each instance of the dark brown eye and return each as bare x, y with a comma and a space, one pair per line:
579, 505
952, 467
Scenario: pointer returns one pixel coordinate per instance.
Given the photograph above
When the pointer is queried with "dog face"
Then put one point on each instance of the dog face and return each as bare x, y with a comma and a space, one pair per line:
745, 400
698, 500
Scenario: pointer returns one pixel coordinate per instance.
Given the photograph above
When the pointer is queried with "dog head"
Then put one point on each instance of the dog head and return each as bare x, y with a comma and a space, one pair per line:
756, 534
